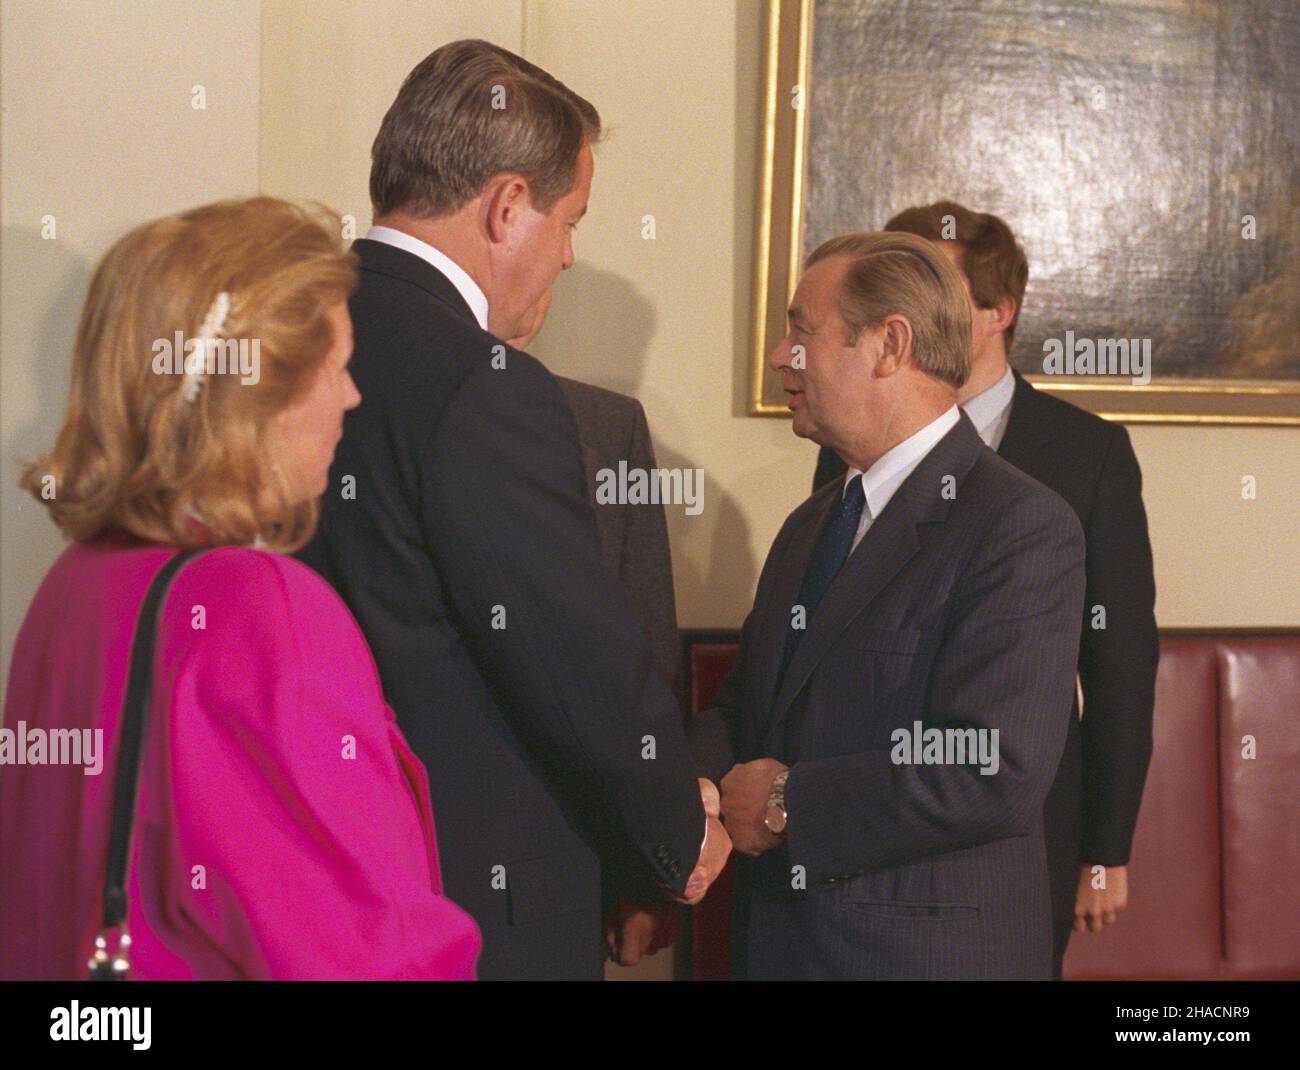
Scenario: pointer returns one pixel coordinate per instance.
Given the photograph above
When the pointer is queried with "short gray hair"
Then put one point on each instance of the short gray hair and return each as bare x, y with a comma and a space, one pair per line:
467, 112
896, 273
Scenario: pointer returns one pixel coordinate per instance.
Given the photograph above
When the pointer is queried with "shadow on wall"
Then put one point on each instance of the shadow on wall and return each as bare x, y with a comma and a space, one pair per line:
39, 332
711, 551
598, 330
607, 344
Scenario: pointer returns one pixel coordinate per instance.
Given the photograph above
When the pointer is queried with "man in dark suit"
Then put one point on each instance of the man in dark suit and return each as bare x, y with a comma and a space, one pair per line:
634, 542
612, 428
901, 695
1092, 809
459, 531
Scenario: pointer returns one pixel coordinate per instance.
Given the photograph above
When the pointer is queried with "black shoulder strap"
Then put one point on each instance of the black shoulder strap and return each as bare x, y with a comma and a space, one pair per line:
135, 709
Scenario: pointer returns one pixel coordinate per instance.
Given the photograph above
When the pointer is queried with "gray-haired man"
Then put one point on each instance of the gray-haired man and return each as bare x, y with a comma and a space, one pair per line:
468, 550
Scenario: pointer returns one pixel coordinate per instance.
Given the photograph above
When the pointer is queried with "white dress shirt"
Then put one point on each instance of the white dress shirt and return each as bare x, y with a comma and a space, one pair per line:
456, 275
990, 411
882, 479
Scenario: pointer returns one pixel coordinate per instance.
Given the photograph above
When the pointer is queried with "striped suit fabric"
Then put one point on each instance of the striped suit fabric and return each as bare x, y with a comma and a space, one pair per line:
959, 609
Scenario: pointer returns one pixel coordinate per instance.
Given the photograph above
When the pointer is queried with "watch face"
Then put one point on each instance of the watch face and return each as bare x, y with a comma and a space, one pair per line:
774, 819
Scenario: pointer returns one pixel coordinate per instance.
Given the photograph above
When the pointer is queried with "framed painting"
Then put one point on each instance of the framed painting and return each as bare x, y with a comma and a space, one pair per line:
1146, 154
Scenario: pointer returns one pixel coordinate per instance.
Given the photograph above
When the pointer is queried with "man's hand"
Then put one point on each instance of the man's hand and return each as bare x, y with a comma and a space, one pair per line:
1095, 908
633, 930
744, 805
715, 850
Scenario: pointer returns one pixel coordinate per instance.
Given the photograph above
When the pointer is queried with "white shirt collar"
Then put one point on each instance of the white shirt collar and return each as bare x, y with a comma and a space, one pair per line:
883, 478
986, 407
456, 275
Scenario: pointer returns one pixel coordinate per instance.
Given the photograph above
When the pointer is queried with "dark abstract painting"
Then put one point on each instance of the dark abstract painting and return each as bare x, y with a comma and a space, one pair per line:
1147, 154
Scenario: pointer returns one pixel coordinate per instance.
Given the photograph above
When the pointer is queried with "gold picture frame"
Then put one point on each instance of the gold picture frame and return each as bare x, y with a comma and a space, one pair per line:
779, 256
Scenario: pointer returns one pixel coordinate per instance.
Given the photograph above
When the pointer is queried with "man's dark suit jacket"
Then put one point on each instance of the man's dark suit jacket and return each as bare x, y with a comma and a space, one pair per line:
507, 648
634, 543
957, 610
633, 537
1092, 808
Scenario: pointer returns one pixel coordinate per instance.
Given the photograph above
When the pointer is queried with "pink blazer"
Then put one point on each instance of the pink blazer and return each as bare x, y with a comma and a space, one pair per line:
283, 828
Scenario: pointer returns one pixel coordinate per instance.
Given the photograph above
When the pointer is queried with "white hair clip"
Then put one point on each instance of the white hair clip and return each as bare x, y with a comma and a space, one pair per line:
196, 364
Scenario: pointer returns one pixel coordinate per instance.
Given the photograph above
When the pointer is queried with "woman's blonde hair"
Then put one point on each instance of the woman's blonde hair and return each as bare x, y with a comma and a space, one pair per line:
136, 456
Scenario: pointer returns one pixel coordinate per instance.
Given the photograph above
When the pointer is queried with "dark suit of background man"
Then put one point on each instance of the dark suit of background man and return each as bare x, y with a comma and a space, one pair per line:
634, 543
1092, 808
934, 589
469, 553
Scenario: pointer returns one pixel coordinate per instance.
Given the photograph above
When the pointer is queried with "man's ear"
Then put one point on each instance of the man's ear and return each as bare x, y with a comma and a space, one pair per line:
1002, 314
504, 198
896, 345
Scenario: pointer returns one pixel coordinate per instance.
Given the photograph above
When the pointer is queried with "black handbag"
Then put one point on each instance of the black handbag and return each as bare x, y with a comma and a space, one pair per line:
135, 710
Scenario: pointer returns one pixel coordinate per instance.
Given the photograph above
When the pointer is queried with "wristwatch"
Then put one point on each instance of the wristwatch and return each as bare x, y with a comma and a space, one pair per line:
774, 817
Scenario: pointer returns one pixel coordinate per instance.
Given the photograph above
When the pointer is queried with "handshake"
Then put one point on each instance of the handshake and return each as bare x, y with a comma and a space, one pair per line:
733, 817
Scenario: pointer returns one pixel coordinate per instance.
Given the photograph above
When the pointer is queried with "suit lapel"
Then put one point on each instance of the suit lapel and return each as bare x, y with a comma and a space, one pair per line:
889, 544
775, 625
1028, 428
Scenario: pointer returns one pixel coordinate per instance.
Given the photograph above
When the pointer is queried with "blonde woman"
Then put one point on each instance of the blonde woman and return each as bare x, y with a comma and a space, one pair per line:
282, 827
